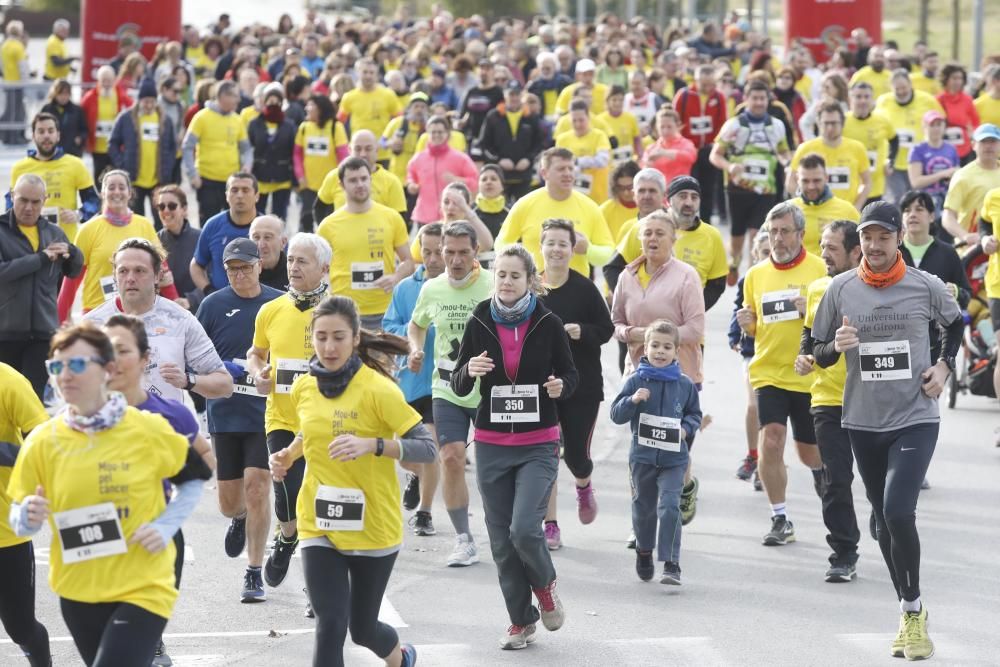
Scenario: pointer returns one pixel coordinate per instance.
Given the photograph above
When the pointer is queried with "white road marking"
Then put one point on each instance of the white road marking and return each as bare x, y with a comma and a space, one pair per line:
188, 553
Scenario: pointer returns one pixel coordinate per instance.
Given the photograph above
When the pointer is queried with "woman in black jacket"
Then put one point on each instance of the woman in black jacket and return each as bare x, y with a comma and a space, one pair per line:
72, 121
272, 136
518, 350
585, 317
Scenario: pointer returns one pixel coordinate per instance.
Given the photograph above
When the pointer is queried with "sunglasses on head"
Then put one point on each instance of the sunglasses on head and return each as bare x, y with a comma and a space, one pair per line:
169, 205
76, 365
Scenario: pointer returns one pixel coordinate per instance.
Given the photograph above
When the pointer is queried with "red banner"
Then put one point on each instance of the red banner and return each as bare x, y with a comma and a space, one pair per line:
823, 26
105, 22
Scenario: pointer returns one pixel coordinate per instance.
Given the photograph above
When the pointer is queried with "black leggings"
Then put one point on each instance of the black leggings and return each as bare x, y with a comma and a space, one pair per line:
892, 465
577, 420
178, 559
17, 603
346, 592
113, 634
286, 492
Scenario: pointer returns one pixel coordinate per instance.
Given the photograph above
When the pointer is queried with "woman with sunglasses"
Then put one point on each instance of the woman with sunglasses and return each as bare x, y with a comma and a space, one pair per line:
95, 472
98, 239
179, 239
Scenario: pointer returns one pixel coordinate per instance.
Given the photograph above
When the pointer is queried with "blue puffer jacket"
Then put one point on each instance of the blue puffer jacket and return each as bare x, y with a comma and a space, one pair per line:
123, 146
677, 399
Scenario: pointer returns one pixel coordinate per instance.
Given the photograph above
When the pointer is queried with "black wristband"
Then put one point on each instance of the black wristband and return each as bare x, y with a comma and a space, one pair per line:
379, 446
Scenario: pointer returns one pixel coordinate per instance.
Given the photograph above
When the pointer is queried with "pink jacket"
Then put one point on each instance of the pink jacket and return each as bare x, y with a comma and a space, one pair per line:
674, 294
427, 169
681, 165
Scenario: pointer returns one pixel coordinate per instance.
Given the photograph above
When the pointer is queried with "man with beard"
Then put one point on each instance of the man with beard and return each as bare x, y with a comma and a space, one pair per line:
65, 176
817, 202
874, 73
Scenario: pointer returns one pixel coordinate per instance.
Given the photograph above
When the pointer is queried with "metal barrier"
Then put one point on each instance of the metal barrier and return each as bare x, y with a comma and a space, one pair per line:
19, 102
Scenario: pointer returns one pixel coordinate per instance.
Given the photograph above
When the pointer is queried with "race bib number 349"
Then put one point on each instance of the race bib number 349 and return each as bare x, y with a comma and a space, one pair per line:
887, 360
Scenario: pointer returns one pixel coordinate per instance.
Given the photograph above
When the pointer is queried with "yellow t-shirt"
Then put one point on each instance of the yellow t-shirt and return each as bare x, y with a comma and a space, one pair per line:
967, 191
248, 115
818, 216
124, 466
63, 177
364, 249
370, 110
524, 224
991, 214
844, 164
399, 161
107, 111
828, 383
55, 47
779, 328
149, 125
908, 121
874, 132
925, 84
804, 87
625, 128
217, 155
514, 121
591, 182
701, 248
881, 82
549, 99
456, 140
600, 91
284, 331
372, 406
31, 232
11, 54
643, 275
988, 109
98, 239
386, 190
565, 124
20, 412
319, 149
616, 215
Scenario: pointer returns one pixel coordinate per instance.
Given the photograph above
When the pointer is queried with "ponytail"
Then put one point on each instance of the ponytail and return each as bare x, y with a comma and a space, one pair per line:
376, 349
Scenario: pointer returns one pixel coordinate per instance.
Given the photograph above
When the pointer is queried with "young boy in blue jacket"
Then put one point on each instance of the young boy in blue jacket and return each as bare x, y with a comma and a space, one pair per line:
661, 405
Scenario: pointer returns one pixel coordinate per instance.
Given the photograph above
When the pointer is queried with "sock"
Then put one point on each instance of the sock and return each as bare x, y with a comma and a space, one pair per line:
460, 520
581, 488
241, 517
753, 454
253, 569
289, 540
553, 521
912, 606
425, 510
818, 472
778, 508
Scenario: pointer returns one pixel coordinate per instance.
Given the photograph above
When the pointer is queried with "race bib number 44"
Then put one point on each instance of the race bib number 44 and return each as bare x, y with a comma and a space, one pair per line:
659, 432
89, 532
779, 306
514, 404
340, 509
888, 360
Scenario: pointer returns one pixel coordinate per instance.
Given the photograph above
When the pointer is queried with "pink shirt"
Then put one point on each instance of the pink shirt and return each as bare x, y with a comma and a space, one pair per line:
428, 168
680, 165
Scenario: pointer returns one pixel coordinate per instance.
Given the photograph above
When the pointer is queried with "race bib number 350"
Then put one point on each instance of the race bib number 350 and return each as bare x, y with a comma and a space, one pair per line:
659, 432
514, 404
89, 532
779, 306
888, 360
340, 509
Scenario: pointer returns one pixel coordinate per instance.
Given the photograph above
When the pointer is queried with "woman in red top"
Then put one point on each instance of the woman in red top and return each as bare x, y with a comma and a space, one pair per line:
671, 154
961, 113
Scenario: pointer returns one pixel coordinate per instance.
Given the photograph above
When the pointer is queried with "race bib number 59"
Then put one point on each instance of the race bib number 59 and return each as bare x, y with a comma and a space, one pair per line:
340, 509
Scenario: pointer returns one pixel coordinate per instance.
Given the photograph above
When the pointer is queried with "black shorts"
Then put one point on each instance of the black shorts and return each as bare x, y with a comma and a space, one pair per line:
747, 209
995, 314
779, 406
235, 452
425, 406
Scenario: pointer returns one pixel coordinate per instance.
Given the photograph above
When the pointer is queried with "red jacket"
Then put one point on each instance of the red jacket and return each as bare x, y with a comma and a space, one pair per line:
89, 106
699, 124
962, 115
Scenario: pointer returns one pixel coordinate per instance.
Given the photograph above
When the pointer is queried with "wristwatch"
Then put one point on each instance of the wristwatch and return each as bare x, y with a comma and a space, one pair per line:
191, 379
949, 362
379, 446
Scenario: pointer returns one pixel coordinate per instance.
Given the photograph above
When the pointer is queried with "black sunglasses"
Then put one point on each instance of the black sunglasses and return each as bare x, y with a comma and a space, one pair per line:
169, 205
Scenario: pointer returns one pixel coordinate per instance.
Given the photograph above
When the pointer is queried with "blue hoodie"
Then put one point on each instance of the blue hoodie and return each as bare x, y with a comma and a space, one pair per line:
396, 320
667, 398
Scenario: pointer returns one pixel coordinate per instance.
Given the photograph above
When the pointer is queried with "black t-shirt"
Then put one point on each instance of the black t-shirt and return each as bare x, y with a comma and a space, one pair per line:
276, 277
478, 102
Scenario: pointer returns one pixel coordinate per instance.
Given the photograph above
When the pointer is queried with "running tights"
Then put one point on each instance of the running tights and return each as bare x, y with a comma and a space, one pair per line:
17, 603
112, 634
577, 420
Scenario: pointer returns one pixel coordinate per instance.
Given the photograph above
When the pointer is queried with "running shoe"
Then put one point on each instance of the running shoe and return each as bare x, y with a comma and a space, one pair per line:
747, 468
644, 565
899, 643
409, 655
630, 542
689, 501
309, 613
925, 485
465, 552
553, 536
586, 505
422, 524
253, 587
733, 276
411, 494
160, 658
671, 574
518, 636
917, 643
236, 537
757, 484
841, 573
782, 532
819, 482
550, 607
279, 559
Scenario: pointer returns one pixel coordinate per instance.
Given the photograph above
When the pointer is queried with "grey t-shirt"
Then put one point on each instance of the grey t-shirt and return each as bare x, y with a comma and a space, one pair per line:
882, 392
175, 335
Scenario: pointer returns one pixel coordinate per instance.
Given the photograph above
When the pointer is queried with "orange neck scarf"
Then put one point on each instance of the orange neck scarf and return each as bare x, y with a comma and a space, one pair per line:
880, 280
792, 263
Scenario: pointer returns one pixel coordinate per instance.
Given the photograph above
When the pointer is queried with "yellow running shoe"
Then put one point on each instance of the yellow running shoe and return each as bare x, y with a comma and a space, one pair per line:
918, 645
899, 642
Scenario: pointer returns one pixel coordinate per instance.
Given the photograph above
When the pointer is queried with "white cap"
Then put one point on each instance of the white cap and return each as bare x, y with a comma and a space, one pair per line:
585, 65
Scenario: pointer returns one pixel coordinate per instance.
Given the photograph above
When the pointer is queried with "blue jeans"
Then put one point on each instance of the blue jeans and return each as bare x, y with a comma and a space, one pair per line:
656, 495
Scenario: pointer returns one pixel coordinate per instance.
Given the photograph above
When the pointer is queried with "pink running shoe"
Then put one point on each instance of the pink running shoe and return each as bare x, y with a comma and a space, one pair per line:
586, 505
553, 536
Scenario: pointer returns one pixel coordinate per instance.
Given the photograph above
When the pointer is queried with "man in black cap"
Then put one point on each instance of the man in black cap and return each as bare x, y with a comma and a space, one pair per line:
236, 423
512, 139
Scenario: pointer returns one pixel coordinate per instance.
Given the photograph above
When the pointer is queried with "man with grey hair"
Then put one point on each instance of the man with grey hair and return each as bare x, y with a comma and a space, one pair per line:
774, 304
268, 232
35, 256
58, 64
548, 84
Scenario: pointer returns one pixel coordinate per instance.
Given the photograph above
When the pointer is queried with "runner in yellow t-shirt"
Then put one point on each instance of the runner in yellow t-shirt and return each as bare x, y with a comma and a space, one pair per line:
624, 133
592, 152
58, 65
969, 186
847, 167
817, 202
386, 188
320, 145
874, 131
371, 105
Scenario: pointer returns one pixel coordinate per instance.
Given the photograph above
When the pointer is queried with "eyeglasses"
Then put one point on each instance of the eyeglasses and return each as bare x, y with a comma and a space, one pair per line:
169, 205
76, 365
237, 270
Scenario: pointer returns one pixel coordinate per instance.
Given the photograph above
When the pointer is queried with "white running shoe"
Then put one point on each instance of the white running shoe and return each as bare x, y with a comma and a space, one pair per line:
465, 552
518, 636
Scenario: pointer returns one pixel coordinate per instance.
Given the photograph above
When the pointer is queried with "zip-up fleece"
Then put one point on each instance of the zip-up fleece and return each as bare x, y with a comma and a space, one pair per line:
545, 352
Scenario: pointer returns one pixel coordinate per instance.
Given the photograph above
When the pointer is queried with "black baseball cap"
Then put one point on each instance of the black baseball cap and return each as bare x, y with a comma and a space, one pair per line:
242, 249
883, 214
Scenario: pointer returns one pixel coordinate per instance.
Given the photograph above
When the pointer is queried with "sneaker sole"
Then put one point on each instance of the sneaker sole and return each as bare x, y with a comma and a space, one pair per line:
467, 563
253, 600
775, 542
554, 626
553, 547
840, 579
670, 581
272, 581
423, 532
920, 657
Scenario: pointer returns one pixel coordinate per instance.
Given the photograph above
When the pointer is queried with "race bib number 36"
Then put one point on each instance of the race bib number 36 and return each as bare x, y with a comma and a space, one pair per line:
287, 372
89, 532
779, 306
340, 509
364, 274
659, 432
888, 360
514, 404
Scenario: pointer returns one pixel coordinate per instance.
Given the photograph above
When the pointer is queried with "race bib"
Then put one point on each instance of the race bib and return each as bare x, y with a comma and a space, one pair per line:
108, 287
755, 169
245, 385
621, 154
780, 306
445, 367
701, 125
873, 160
150, 131
287, 371
340, 509
486, 259
838, 178
51, 213
583, 183
318, 146
905, 137
364, 274
887, 360
659, 432
103, 129
511, 404
89, 532
954, 135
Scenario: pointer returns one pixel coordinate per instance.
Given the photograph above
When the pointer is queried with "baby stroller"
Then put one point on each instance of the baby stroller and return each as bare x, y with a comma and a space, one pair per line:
974, 374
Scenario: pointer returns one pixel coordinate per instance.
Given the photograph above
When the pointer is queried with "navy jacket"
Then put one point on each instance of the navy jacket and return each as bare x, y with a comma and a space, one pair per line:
123, 146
